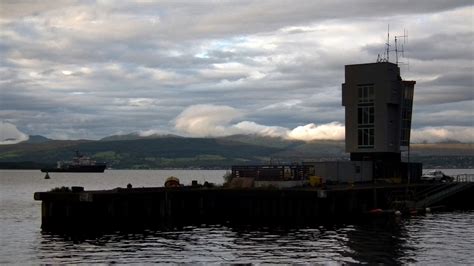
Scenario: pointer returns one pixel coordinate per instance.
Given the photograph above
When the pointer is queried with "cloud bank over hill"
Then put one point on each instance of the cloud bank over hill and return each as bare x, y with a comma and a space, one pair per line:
9, 134
441, 134
219, 120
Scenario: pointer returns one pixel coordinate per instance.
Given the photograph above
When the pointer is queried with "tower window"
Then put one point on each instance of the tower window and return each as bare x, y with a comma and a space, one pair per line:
365, 137
366, 116
366, 93
407, 105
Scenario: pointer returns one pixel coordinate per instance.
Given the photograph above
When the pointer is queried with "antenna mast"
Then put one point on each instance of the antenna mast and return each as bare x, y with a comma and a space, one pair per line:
388, 44
397, 50
404, 36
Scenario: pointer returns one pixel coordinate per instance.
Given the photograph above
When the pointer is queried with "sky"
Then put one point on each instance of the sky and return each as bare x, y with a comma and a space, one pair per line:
91, 69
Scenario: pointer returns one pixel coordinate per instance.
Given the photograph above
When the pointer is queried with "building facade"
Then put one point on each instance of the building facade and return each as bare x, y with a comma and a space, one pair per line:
378, 107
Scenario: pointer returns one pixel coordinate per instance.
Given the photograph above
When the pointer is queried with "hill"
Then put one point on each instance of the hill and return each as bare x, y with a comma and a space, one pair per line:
37, 139
165, 152
169, 151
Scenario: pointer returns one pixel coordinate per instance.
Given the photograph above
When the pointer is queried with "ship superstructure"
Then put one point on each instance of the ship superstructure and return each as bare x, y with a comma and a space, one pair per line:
79, 163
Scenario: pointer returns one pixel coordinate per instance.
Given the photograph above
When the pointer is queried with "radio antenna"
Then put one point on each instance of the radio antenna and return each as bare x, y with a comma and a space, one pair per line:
397, 50
388, 44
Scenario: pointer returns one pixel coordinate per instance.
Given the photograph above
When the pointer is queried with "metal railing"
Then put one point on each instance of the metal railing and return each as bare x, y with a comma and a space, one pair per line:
439, 195
463, 178
431, 190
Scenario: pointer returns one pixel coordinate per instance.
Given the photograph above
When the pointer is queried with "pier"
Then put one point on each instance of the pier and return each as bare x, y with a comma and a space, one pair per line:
378, 110
135, 208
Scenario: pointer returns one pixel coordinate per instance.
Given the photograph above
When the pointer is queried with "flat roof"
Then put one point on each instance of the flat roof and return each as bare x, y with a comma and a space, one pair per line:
372, 64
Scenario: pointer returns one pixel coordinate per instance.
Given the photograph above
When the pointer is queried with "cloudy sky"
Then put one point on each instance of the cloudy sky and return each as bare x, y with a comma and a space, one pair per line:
89, 69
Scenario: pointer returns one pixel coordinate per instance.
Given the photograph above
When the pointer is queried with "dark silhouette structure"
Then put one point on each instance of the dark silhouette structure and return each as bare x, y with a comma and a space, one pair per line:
378, 111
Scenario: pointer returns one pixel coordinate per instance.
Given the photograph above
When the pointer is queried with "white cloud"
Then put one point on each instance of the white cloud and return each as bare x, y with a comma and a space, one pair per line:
150, 132
9, 134
331, 131
283, 105
437, 134
248, 127
216, 120
141, 102
205, 120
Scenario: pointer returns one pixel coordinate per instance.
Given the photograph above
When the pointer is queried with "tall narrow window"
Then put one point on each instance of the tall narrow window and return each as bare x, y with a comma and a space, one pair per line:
366, 93
407, 105
366, 116
365, 137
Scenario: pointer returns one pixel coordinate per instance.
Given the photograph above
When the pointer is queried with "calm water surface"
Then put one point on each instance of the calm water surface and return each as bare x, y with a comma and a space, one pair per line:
438, 238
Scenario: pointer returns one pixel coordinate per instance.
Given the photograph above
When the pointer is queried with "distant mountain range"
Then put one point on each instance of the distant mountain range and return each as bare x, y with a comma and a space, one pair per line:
133, 151
37, 139
135, 136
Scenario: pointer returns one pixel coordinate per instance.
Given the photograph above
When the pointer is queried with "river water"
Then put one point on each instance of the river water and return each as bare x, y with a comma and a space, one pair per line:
439, 238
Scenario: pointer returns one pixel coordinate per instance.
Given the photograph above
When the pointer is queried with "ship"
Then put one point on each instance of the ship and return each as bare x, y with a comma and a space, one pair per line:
79, 164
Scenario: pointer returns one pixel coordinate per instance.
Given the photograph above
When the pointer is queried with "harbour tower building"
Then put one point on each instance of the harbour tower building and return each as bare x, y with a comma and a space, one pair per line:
378, 110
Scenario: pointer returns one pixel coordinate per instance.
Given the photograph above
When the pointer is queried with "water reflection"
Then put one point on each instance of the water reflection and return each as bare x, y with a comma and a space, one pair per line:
380, 241
442, 238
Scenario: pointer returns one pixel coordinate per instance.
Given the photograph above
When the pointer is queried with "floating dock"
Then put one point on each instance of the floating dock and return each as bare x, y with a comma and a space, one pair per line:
135, 208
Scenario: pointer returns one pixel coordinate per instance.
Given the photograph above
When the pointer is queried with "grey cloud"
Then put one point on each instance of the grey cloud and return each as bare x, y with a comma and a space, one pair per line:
84, 68
461, 79
12, 9
446, 88
447, 114
248, 17
456, 45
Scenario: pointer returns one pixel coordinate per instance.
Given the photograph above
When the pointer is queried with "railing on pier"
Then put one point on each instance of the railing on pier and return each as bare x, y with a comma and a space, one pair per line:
463, 178
441, 192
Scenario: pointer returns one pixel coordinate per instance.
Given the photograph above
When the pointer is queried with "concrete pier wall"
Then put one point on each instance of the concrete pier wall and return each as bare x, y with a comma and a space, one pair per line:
154, 207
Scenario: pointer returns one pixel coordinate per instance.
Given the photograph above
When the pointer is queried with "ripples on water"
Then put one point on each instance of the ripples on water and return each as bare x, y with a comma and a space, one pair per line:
443, 238
205, 244
439, 238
